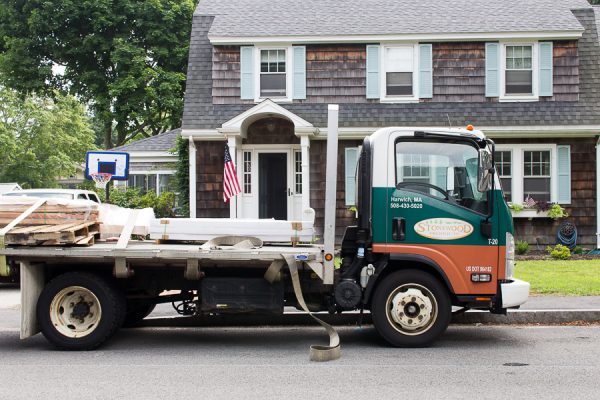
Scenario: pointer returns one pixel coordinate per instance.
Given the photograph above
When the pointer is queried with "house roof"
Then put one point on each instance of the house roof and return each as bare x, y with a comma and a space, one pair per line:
162, 142
281, 18
200, 112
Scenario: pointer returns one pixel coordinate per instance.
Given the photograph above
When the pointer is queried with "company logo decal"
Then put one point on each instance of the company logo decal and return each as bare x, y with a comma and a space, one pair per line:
443, 228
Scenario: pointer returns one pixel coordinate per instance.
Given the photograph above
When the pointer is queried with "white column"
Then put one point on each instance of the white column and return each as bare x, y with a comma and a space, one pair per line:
305, 144
192, 176
233, 142
598, 194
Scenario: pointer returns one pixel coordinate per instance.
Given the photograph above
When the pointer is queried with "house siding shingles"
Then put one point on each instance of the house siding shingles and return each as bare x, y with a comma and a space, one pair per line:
565, 71
337, 73
344, 217
582, 210
458, 72
209, 180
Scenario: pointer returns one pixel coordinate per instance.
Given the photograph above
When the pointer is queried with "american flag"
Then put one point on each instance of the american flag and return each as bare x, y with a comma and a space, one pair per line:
231, 186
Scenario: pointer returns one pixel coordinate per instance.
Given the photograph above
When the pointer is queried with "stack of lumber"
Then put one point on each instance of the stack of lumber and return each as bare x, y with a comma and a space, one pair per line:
78, 233
55, 222
53, 212
204, 229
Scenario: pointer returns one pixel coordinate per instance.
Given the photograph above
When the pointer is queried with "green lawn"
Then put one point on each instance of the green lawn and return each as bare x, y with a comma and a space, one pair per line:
567, 278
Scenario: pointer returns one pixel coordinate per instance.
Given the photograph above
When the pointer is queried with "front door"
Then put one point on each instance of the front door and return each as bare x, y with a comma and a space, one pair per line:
272, 185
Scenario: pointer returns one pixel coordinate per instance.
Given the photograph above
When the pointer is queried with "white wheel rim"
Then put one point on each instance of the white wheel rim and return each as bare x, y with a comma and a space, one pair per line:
411, 309
75, 312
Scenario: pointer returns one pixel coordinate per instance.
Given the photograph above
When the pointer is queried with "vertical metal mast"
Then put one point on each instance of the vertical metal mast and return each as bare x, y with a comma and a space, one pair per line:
330, 192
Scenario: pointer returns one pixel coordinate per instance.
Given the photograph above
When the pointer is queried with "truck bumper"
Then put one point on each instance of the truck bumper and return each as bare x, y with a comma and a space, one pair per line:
514, 293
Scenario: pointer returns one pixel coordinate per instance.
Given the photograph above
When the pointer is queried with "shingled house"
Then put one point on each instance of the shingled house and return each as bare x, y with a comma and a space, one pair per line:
261, 74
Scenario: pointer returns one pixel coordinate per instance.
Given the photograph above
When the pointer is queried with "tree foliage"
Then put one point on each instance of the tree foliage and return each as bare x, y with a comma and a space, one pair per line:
41, 138
182, 174
126, 58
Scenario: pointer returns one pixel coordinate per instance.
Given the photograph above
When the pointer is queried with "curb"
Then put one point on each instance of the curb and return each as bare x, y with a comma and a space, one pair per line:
514, 317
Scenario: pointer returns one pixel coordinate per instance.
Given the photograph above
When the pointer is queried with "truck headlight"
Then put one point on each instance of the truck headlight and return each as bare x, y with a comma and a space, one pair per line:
510, 255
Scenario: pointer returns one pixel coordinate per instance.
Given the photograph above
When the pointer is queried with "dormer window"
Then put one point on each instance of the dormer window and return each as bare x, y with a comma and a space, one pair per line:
273, 79
519, 70
399, 66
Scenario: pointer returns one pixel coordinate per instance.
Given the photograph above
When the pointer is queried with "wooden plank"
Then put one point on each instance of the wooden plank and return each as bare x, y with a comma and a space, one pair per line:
21, 217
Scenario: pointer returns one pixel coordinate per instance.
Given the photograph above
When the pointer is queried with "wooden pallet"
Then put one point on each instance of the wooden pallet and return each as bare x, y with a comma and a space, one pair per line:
72, 233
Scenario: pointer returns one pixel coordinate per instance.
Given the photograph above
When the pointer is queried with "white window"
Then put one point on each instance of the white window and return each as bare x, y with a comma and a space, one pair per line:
519, 77
533, 170
536, 174
399, 78
415, 168
504, 168
157, 182
274, 80
247, 172
298, 172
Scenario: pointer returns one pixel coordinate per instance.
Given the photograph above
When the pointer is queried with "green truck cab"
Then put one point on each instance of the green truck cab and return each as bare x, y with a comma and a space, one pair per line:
434, 231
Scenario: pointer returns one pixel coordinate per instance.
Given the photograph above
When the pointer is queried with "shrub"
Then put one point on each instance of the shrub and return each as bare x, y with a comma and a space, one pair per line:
522, 247
578, 250
559, 252
556, 211
163, 205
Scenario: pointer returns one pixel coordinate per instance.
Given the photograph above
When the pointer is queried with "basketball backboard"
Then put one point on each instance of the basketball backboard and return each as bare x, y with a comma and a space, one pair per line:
111, 162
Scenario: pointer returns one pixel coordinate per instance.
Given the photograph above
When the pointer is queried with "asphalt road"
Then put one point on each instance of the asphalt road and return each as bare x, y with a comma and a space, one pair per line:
483, 362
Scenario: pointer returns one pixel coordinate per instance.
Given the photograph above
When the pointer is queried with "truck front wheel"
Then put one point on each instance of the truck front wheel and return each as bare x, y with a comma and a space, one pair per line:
79, 311
410, 308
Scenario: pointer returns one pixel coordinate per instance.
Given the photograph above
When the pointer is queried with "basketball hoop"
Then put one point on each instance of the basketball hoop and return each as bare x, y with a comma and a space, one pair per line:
101, 179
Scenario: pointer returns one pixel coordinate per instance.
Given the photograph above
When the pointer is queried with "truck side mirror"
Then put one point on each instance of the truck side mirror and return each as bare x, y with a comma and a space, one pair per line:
485, 171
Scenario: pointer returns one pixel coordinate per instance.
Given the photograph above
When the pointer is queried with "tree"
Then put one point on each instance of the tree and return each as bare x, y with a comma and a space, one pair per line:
41, 138
126, 58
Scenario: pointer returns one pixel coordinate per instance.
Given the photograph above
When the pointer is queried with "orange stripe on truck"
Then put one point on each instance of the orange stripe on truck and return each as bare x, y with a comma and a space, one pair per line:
458, 262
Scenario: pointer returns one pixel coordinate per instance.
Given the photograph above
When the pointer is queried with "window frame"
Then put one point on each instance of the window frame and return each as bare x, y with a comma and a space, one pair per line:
384, 98
156, 174
517, 165
500, 176
288, 73
505, 97
297, 161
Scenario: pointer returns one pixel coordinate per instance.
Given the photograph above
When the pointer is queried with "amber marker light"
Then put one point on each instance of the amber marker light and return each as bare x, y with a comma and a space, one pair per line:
328, 257
470, 127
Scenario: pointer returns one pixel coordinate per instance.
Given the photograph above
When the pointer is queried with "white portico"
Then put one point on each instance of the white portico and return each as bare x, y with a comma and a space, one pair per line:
271, 149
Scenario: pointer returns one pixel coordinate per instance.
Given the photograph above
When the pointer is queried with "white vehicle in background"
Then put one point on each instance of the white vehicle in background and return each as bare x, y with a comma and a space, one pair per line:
66, 194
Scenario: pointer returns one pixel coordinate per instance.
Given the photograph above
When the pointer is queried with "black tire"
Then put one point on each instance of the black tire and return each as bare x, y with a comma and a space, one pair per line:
108, 320
136, 312
397, 334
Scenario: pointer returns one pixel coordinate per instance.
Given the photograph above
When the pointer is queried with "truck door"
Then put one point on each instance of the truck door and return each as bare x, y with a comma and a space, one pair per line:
434, 210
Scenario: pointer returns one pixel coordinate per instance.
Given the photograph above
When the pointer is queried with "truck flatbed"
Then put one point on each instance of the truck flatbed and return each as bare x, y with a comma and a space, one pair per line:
149, 250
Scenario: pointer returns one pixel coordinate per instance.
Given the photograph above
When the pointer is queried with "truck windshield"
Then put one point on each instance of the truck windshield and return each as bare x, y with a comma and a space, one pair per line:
451, 168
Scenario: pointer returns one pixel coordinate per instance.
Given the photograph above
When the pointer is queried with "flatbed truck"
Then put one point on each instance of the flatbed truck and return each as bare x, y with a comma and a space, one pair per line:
433, 233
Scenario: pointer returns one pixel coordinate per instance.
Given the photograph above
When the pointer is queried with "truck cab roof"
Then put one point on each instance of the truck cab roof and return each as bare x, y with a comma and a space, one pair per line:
410, 131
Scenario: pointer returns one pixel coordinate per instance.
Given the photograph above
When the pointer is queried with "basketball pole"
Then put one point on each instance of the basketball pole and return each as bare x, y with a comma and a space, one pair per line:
107, 192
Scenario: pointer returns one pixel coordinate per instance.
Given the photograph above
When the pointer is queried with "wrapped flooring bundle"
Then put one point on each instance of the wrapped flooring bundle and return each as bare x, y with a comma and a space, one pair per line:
204, 229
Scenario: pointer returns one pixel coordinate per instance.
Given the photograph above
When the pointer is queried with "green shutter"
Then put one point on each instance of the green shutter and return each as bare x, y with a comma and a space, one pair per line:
545, 69
492, 70
299, 77
564, 174
425, 71
373, 72
351, 158
247, 72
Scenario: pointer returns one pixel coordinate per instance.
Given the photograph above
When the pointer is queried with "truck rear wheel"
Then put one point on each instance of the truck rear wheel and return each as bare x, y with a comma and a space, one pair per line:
80, 311
410, 308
